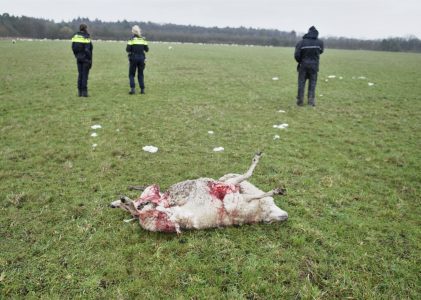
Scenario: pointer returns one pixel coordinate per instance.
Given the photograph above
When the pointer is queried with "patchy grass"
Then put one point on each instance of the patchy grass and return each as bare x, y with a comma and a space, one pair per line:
351, 165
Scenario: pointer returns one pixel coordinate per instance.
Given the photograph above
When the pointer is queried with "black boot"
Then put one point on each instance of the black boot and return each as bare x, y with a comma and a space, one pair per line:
80, 93
132, 91
85, 93
142, 91
312, 102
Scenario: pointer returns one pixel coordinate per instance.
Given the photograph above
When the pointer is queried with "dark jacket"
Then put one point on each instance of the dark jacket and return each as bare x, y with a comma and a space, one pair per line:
308, 50
136, 48
82, 47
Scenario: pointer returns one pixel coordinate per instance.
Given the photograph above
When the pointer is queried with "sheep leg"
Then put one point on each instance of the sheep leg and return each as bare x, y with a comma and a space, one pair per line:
136, 188
278, 191
238, 179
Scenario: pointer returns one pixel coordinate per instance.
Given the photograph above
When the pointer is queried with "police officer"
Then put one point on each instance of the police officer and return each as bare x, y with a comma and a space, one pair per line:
307, 54
136, 48
82, 49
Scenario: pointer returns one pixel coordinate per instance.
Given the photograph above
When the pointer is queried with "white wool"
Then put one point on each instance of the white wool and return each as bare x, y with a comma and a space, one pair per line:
201, 210
218, 149
150, 149
281, 126
204, 203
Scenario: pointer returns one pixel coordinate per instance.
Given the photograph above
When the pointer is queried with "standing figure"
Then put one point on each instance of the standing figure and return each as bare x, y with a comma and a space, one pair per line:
307, 54
82, 49
136, 48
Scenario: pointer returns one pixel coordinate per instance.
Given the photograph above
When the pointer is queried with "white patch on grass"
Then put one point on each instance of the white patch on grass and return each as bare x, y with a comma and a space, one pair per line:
210, 132
321, 95
281, 111
362, 77
370, 84
129, 220
326, 80
94, 145
281, 126
275, 78
331, 76
94, 134
276, 137
218, 149
340, 77
96, 126
150, 149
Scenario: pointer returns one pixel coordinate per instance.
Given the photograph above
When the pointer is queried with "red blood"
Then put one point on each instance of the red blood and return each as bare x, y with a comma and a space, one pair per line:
159, 218
163, 224
153, 194
219, 189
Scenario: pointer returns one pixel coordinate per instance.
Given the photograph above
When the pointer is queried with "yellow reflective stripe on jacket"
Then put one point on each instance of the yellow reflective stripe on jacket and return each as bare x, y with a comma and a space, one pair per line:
137, 41
80, 39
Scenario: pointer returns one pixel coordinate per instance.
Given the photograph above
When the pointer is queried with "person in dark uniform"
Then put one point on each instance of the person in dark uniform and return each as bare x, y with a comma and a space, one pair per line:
307, 54
136, 48
82, 49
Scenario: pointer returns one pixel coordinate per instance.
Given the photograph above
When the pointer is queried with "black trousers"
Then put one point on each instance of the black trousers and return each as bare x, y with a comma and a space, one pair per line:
82, 80
139, 66
307, 73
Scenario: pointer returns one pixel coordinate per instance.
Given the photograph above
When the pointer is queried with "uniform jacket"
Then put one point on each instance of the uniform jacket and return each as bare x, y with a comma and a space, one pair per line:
82, 47
136, 48
308, 50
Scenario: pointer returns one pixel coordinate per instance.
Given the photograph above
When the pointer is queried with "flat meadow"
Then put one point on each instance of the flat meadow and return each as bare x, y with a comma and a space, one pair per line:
351, 165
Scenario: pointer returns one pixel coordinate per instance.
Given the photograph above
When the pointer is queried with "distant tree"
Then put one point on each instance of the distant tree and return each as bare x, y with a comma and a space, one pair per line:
12, 26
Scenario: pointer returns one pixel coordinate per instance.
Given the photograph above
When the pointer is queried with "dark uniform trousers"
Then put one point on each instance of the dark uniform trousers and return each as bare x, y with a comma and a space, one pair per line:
82, 80
307, 72
140, 66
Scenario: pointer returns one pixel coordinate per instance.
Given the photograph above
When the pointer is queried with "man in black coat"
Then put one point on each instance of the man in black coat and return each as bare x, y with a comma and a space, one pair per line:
136, 48
82, 49
307, 54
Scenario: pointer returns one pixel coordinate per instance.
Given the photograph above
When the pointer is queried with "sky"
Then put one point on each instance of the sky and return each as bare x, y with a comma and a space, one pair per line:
364, 19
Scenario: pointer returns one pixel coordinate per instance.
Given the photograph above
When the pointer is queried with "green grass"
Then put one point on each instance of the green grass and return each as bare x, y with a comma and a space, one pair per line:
351, 166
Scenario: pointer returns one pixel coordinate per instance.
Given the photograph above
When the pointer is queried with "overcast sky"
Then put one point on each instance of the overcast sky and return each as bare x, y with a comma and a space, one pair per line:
350, 18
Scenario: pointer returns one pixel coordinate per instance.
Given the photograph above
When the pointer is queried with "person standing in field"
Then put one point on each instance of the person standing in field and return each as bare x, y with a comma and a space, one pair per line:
82, 49
307, 54
136, 48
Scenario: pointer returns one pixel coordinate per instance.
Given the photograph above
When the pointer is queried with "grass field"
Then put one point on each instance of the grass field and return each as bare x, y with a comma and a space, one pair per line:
352, 167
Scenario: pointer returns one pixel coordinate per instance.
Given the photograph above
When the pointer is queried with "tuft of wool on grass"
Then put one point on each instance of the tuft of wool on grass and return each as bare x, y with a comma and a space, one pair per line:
281, 126
150, 149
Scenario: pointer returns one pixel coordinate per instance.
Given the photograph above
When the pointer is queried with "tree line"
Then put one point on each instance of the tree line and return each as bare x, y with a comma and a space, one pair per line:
28, 27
